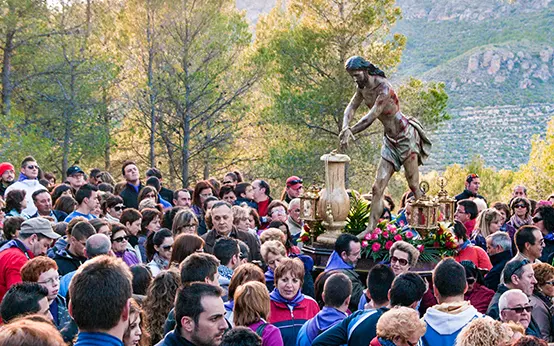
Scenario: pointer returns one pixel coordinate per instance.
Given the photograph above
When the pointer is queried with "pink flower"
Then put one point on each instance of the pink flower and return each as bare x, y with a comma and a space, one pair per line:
398, 237
367, 236
385, 234
420, 247
364, 244
374, 236
375, 247
402, 223
377, 231
409, 235
391, 228
388, 245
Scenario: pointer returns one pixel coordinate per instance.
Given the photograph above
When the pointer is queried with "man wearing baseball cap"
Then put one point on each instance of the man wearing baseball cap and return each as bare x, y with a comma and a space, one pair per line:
34, 238
7, 174
293, 189
75, 177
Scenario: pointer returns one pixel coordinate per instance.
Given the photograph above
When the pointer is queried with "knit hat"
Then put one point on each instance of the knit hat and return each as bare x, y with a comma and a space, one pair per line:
6, 166
38, 225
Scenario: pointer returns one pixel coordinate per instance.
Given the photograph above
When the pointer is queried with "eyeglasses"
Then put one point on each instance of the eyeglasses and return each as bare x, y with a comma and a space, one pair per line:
294, 182
549, 283
33, 167
470, 281
206, 195
189, 227
400, 261
278, 212
119, 208
167, 247
520, 206
520, 309
537, 219
50, 281
226, 182
120, 239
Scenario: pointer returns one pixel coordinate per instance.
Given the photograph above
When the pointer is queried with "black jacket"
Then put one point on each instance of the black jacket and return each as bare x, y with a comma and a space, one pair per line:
249, 239
130, 196
174, 338
467, 194
67, 262
58, 214
492, 279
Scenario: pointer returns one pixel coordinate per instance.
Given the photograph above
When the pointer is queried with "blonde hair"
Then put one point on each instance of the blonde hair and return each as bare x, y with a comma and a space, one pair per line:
252, 303
274, 247
273, 234
400, 322
484, 220
543, 272
292, 266
239, 213
30, 330
413, 254
484, 331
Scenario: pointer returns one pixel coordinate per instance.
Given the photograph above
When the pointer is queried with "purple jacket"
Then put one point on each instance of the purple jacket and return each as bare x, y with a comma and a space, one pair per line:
128, 257
271, 336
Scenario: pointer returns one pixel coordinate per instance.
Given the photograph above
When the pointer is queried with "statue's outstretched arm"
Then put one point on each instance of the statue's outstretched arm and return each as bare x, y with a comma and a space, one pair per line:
350, 110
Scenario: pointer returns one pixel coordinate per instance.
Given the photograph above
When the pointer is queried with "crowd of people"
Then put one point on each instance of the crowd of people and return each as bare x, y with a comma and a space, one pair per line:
93, 261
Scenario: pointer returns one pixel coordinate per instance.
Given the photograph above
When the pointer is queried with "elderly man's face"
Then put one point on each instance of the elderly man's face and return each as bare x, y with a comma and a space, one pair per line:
222, 219
519, 191
527, 281
518, 310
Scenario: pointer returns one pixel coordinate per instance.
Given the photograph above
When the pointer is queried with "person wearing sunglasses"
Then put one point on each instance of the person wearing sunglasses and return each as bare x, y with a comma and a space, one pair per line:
521, 212
293, 189
514, 306
477, 293
158, 250
120, 240
541, 300
399, 326
113, 207
29, 182
544, 221
517, 274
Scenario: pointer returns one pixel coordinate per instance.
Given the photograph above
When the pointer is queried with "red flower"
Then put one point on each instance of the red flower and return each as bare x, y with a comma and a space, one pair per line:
375, 247
420, 247
388, 245
436, 244
440, 231
306, 228
398, 237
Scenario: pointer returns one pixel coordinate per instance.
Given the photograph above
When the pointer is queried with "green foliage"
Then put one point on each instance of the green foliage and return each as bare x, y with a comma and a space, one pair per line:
424, 101
358, 217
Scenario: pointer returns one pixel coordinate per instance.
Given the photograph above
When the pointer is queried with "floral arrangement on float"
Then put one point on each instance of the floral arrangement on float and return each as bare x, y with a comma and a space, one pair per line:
436, 245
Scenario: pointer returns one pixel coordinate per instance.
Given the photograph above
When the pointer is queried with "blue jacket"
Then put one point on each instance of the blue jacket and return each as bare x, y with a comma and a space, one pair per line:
357, 329
324, 320
64, 283
97, 339
443, 327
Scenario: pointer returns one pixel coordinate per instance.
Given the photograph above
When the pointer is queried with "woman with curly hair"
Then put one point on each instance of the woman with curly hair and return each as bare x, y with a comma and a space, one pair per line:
136, 332
541, 300
399, 326
485, 332
521, 212
159, 301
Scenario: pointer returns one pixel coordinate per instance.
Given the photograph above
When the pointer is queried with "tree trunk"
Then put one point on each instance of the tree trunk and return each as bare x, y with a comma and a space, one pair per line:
106, 120
6, 74
151, 93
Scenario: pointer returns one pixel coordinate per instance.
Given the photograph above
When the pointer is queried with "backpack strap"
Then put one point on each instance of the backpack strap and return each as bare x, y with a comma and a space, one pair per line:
260, 329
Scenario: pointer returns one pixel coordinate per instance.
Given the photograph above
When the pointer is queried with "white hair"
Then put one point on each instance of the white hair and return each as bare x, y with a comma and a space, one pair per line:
505, 298
481, 204
501, 239
294, 201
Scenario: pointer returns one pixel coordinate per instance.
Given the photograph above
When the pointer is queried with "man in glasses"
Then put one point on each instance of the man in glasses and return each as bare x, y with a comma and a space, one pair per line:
75, 177
517, 274
514, 306
27, 181
529, 242
294, 188
472, 185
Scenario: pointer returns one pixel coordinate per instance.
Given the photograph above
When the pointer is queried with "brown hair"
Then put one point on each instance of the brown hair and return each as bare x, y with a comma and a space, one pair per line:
30, 330
159, 301
129, 215
148, 215
252, 303
201, 185
145, 337
276, 203
99, 292
185, 245
292, 266
244, 273
413, 253
32, 269
183, 218
146, 190
66, 204
543, 272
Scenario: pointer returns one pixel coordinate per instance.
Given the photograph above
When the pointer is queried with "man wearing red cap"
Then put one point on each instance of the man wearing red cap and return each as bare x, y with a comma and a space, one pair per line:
7, 175
293, 190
